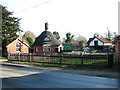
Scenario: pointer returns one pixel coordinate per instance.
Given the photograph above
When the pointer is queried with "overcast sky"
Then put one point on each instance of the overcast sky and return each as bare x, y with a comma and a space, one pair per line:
84, 17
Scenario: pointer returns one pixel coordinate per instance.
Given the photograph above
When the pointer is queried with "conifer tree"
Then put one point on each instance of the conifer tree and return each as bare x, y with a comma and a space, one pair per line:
10, 27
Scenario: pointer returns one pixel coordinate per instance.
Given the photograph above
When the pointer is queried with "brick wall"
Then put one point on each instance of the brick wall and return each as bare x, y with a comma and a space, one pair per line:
117, 49
53, 48
12, 47
40, 49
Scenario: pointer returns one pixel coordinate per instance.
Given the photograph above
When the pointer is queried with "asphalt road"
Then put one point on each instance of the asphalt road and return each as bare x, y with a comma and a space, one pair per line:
19, 77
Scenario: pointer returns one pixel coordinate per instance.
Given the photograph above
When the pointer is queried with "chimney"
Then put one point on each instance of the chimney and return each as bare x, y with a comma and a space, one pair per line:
46, 26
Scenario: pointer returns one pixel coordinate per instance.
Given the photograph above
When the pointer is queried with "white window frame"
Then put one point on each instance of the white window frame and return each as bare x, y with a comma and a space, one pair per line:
18, 47
47, 39
46, 48
36, 49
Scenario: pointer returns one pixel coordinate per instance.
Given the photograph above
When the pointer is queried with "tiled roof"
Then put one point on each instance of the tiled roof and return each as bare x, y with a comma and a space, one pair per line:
103, 39
100, 38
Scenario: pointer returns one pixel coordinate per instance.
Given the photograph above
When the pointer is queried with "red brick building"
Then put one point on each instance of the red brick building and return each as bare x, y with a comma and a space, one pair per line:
46, 42
17, 46
117, 48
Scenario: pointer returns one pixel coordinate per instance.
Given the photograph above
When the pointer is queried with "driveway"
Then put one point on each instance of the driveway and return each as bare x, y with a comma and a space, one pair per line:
19, 77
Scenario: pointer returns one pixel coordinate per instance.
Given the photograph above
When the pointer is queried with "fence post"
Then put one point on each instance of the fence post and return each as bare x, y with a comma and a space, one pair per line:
30, 58
110, 60
8, 56
73, 60
82, 61
19, 56
60, 59
23, 58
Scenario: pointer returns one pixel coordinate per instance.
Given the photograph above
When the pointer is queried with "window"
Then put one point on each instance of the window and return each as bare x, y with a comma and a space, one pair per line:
96, 43
47, 39
46, 48
18, 47
36, 49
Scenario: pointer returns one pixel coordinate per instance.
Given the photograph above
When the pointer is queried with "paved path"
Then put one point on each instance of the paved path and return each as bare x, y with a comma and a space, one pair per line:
19, 77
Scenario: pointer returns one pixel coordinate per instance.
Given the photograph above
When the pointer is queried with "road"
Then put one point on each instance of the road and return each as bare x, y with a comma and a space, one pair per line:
19, 77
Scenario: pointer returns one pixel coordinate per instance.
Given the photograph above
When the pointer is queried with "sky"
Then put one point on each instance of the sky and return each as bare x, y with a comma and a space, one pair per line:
79, 17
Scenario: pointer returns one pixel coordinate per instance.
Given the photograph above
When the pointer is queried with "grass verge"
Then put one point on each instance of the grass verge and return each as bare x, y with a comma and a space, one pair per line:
3, 58
96, 66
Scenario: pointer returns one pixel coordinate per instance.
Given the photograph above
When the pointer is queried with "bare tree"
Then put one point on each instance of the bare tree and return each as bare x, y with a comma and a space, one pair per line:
110, 35
96, 35
79, 42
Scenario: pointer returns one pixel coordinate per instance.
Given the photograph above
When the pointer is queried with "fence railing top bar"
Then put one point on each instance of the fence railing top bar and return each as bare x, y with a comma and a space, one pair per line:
61, 55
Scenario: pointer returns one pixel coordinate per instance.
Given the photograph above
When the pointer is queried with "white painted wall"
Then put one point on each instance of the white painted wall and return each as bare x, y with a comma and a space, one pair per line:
107, 44
99, 42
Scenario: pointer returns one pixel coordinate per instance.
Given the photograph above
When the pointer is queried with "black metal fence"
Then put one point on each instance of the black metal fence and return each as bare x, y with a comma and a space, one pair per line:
63, 59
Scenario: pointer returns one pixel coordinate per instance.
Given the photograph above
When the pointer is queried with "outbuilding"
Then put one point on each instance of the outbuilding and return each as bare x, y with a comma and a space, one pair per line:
18, 46
99, 43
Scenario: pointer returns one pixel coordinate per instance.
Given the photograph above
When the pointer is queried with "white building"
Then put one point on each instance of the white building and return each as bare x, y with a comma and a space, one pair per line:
99, 43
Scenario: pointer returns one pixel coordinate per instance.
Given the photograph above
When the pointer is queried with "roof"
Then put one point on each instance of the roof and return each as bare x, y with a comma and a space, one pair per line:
90, 39
40, 40
20, 41
66, 43
100, 38
103, 39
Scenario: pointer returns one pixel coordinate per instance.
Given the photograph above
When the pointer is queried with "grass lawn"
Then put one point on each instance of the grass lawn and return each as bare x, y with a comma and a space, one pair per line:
74, 63
86, 63
99, 53
3, 58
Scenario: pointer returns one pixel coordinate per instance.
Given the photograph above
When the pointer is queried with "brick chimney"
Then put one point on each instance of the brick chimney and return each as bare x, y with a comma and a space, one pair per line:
46, 26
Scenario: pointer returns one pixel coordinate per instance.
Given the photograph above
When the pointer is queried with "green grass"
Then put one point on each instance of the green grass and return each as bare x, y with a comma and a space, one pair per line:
98, 53
66, 62
18, 62
96, 66
3, 58
75, 63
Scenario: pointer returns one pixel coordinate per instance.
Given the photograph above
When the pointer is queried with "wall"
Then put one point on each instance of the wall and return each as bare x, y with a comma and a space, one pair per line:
107, 44
40, 49
117, 50
117, 47
99, 42
12, 47
53, 48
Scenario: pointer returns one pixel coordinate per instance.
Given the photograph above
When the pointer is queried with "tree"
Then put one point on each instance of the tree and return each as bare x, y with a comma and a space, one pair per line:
79, 42
56, 35
30, 40
28, 37
96, 35
110, 35
69, 37
10, 27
